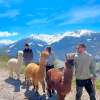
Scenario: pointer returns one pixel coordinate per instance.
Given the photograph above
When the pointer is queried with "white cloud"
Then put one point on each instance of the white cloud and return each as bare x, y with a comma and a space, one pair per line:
45, 18
7, 34
81, 15
76, 15
10, 13
6, 42
84, 13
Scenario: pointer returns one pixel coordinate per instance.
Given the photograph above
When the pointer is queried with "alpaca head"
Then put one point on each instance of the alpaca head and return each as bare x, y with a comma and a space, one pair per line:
70, 56
70, 59
44, 56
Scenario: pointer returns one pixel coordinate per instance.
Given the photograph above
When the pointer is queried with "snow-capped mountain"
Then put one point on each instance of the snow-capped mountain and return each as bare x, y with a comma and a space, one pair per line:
57, 37
68, 44
61, 43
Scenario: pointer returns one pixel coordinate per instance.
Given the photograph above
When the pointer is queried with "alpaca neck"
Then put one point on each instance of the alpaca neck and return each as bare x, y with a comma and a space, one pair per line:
67, 75
20, 59
42, 62
42, 65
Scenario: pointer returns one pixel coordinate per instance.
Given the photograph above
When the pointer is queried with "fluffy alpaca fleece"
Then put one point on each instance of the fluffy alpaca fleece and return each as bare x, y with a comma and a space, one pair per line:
14, 65
61, 80
37, 73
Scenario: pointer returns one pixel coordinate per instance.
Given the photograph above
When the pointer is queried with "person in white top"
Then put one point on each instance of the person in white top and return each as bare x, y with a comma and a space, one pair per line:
51, 59
50, 63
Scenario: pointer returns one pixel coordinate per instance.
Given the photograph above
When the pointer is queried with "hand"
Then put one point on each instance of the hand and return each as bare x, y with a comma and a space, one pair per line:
94, 82
93, 78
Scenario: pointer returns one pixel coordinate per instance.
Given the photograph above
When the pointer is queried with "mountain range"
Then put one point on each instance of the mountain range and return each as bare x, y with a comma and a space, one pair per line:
60, 43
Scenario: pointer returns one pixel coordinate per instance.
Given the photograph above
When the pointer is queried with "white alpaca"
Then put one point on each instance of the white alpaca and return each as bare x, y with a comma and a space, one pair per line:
14, 65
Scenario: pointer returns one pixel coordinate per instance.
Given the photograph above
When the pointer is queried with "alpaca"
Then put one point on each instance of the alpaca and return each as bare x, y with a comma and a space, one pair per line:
61, 80
37, 73
14, 65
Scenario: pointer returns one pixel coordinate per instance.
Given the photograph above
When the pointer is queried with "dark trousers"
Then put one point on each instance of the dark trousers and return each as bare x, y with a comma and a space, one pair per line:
48, 67
88, 86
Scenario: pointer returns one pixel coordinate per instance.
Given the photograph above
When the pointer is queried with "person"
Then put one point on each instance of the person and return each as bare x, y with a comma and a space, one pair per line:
27, 54
51, 59
85, 72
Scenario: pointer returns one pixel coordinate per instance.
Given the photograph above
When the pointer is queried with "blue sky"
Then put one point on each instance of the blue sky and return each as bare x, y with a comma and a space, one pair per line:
20, 18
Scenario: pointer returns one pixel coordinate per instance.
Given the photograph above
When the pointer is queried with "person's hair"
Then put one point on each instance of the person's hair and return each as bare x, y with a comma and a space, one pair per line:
49, 49
26, 44
82, 45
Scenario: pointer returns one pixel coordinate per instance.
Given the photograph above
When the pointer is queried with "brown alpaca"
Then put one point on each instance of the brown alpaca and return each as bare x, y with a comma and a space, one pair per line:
37, 72
61, 80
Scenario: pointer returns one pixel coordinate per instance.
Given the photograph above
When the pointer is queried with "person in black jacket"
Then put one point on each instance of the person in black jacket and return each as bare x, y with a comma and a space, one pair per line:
27, 54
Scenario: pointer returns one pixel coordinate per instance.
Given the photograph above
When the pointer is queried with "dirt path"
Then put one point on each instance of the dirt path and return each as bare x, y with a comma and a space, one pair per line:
11, 89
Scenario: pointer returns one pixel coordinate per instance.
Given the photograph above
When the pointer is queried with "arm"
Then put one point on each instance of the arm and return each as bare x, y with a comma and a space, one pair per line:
93, 67
93, 71
74, 66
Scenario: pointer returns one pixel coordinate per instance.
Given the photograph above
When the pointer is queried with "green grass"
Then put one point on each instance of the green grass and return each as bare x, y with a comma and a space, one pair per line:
4, 58
3, 63
98, 84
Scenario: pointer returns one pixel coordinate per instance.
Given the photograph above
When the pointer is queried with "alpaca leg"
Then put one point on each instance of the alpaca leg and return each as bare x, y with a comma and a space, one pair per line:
49, 89
43, 86
32, 82
26, 83
49, 92
37, 89
33, 85
10, 73
60, 97
18, 74
53, 91
36, 86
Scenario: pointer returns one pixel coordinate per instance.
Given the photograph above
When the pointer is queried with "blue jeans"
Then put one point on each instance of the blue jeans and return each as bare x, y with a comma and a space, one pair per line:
88, 86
